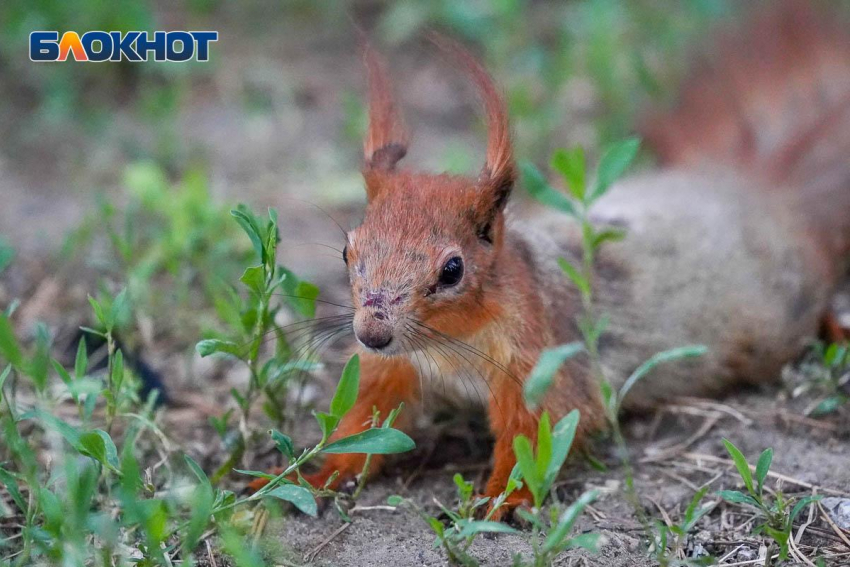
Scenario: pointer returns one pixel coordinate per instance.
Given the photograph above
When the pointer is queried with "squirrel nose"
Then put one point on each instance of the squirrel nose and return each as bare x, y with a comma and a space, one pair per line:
373, 328
376, 340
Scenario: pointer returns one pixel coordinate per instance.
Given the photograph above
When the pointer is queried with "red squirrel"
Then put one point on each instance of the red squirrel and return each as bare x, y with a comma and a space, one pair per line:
735, 242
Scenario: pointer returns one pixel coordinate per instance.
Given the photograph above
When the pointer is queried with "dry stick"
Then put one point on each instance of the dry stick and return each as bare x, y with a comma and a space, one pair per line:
815, 423
798, 555
210, 554
680, 479
808, 522
259, 526
315, 551
674, 450
838, 531
750, 561
713, 405
664, 513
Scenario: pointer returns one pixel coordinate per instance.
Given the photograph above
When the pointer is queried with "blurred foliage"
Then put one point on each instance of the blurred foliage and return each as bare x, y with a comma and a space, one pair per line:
565, 64
170, 241
86, 96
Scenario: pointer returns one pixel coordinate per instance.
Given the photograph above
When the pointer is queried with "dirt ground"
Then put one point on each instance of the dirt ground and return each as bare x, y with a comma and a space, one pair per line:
288, 157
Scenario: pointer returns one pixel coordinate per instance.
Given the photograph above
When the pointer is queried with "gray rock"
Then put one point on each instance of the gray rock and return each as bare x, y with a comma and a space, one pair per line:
839, 510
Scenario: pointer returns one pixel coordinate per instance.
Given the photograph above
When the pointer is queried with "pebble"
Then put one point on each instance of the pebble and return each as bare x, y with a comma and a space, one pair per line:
839, 510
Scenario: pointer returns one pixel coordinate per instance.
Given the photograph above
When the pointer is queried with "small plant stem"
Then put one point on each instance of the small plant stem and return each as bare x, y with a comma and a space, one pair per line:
110, 385
591, 340
364, 474
768, 556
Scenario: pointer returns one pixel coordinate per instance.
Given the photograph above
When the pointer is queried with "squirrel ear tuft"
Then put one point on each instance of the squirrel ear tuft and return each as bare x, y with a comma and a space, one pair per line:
499, 172
386, 139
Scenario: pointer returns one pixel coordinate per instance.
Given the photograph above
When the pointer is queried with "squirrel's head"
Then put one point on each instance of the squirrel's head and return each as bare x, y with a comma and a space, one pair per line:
429, 246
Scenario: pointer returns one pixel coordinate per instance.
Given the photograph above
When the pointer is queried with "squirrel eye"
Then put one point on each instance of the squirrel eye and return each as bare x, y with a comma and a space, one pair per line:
452, 272
345, 255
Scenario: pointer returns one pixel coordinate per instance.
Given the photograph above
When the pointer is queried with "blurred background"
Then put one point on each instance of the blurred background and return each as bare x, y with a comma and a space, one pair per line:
123, 174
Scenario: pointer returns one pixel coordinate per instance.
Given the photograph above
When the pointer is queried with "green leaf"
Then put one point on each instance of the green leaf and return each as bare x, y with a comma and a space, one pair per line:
119, 311
212, 346
327, 423
300, 295
256, 474
575, 276
525, 460
9, 347
485, 526
297, 495
655, 360
568, 518
71, 435
347, 389
736, 497
540, 190
436, 526
99, 446
571, 165
562, 440
81, 362
692, 513
255, 278
377, 441
590, 542
250, 227
395, 500
196, 469
283, 443
98, 312
544, 449
781, 537
608, 235
11, 485
741, 464
828, 405
3, 376
305, 300
118, 370
615, 161
763, 467
543, 373
63, 374
12, 307
798, 507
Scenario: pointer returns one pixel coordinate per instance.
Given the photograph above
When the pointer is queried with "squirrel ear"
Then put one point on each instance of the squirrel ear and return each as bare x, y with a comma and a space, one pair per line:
386, 139
499, 172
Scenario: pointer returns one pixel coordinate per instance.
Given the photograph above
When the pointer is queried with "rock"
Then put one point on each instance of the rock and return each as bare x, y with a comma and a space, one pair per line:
838, 510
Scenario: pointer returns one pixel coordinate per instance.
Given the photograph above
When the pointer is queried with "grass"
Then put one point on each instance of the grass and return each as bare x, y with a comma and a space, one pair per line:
95, 502
550, 530
825, 379
775, 516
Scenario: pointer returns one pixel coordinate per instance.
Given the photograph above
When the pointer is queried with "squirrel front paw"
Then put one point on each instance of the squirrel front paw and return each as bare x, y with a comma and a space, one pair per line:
520, 498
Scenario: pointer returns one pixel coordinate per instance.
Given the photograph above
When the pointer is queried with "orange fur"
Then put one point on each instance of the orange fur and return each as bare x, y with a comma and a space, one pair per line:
414, 223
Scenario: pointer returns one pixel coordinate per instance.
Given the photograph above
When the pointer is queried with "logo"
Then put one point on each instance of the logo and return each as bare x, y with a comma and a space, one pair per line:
99, 46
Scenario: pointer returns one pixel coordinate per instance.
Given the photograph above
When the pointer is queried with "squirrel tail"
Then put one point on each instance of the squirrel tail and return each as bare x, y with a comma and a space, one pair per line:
772, 99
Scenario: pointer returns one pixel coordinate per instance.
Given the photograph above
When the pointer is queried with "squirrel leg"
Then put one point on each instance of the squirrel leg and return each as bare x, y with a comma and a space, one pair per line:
833, 331
384, 384
509, 417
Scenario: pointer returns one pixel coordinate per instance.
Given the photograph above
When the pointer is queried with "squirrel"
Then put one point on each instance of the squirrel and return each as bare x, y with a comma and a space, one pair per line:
736, 241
